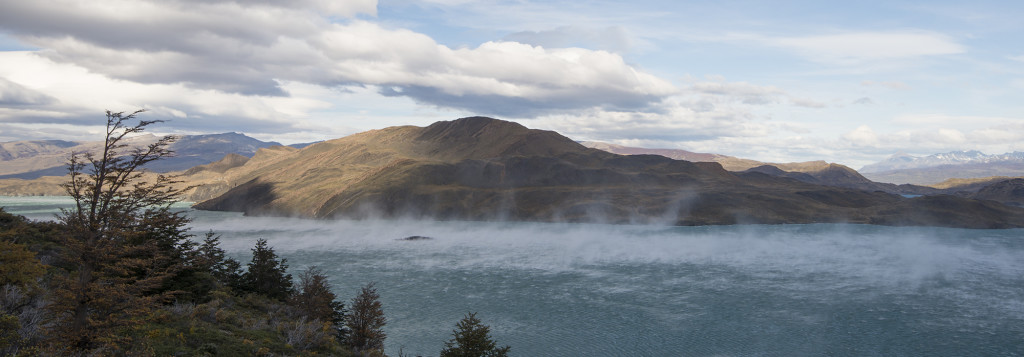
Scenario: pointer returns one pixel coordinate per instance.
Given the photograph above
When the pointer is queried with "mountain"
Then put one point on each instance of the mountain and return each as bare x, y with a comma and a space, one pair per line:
932, 169
34, 159
816, 172
728, 162
837, 175
904, 161
193, 150
481, 168
21, 149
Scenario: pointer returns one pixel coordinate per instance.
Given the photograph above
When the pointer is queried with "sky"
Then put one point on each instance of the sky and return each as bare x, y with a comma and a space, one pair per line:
778, 81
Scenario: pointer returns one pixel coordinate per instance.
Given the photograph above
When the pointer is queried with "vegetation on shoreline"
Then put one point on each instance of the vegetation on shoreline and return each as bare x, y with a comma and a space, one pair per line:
119, 274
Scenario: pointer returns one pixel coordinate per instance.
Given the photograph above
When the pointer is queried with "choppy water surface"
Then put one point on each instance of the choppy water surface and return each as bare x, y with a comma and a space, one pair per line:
605, 290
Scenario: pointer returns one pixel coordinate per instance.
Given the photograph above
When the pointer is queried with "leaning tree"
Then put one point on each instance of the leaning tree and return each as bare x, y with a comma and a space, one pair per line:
122, 239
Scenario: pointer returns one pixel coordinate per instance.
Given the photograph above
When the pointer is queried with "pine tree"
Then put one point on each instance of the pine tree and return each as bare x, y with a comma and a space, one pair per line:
210, 257
121, 240
266, 275
366, 322
472, 339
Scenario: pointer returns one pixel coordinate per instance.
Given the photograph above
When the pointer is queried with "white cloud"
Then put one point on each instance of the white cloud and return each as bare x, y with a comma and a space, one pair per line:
859, 47
79, 96
862, 136
993, 138
216, 46
16, 95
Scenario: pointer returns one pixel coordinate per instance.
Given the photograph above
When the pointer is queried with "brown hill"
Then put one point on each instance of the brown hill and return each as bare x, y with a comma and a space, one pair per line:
728, 162
481, 168
1009, 192
822, 173
970, 184
816, 172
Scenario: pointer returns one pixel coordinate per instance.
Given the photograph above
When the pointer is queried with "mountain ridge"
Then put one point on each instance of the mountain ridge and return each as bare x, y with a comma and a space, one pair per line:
904, 161
935, 168
37, 158
481, 168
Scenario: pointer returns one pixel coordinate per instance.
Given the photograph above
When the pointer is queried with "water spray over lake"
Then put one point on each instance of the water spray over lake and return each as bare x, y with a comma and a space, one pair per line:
612, 290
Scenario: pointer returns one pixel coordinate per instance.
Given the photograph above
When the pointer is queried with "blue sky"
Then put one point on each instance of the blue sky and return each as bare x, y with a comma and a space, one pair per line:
776, 81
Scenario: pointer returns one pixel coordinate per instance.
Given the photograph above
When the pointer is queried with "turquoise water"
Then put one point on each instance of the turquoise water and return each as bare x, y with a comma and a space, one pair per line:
606, 290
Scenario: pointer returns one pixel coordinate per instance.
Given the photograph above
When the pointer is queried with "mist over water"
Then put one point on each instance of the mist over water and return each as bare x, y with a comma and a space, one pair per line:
615, 290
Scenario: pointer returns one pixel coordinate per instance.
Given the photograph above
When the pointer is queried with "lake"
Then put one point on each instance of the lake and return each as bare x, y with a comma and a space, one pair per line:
619, 290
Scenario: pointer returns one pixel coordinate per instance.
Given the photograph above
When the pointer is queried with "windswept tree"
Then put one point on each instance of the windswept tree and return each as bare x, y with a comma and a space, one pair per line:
121, 238
471, 338
366, 322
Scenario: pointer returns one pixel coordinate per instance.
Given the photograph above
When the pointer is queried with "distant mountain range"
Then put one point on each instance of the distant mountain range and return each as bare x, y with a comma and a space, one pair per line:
486, 169
816, 172
34, 159
932, 169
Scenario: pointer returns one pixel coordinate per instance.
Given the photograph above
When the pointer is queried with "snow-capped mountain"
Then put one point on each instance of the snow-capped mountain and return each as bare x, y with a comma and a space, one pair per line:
903, 161
932, 169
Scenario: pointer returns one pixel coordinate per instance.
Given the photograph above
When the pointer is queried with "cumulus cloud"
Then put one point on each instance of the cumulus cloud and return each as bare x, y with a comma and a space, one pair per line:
250, 48
859, 47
